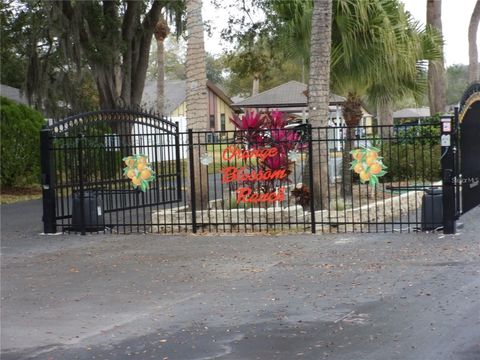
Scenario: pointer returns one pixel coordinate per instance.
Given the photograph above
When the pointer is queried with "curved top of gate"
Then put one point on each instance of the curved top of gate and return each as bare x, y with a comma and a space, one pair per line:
115, 117
470, 96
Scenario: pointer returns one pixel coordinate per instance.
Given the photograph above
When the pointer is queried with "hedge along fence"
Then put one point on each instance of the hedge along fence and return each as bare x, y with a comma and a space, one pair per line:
20, 143
414, 153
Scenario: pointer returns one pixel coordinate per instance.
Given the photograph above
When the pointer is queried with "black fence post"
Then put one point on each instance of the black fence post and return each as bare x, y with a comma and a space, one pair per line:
178, 167
458, 175
448, 175
192, 180
81, 183
48, 181
310, 178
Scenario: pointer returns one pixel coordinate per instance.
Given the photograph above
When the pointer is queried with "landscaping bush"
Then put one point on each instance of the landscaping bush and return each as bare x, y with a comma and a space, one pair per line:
412, 162
20, 144
414, 153
99, 161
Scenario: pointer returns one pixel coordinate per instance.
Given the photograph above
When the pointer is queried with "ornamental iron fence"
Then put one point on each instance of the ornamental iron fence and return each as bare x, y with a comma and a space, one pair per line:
128, 171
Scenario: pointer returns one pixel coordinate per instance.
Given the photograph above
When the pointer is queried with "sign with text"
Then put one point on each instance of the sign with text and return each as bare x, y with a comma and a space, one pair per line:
241, 174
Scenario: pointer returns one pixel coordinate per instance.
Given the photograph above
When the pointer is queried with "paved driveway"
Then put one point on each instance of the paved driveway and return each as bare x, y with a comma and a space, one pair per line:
362, 296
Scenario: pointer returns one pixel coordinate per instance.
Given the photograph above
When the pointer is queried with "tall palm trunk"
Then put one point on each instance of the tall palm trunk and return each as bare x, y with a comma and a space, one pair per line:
473, 68
318, 96
385, 117
436, 71
197, 100
352, 113
161, 32
256, 84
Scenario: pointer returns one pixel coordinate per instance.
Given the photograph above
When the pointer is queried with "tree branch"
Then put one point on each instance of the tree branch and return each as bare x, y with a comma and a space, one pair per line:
128, 25
152, 16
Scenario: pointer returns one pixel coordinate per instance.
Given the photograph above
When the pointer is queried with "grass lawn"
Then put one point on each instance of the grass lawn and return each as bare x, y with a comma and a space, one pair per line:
215, 151
10, 195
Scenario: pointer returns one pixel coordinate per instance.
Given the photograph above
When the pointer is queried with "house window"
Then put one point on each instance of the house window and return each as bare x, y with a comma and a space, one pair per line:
212, 122
112, 142
222, 122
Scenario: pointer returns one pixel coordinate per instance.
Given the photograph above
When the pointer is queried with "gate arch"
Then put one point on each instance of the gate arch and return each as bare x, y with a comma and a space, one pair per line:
85, 187
469, 119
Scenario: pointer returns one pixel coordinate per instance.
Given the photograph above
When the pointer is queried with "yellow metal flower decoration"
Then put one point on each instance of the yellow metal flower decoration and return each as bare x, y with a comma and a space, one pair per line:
368, 164
139, 170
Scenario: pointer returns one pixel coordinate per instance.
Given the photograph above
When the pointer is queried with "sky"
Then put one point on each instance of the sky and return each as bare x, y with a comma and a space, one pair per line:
455, 20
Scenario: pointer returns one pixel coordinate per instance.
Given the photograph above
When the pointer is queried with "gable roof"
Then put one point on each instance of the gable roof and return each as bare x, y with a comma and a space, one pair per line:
175, 94
412, 113
13, 94
290, 94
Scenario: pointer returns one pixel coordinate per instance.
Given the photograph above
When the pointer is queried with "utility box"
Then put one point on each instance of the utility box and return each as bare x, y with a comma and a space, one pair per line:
92, 212
432, 209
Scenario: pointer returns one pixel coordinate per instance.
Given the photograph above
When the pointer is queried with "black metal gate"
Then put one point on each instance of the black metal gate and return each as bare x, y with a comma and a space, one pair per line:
97, 166
469, 177
129, 171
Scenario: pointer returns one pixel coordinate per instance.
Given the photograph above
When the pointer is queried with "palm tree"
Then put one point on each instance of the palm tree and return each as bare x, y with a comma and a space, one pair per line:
319, 94
415, 45
197, 101
376, 50
161, 32
473, 70
436, 71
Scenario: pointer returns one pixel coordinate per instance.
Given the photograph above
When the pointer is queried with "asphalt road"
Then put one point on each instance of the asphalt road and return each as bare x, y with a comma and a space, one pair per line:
342, 297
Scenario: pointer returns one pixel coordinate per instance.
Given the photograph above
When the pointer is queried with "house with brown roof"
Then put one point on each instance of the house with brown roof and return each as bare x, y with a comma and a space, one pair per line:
291, 98
219, 104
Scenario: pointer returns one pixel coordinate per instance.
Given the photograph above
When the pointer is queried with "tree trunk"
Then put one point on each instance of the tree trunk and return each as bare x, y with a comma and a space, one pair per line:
473, 68
161, 32
197, 99
385, 117
436, 71
352, 114
318, 97
160, 78
346, 172
256, 84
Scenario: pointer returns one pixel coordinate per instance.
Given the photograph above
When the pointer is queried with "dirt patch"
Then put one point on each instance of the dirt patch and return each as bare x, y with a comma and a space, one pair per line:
30, 190
10, 195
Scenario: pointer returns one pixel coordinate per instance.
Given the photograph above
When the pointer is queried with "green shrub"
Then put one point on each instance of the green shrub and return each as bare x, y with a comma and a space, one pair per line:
413, 153
99, 161
407, 161
20, 144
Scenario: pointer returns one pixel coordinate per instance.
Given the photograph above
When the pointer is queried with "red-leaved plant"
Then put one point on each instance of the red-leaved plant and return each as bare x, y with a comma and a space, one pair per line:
268, 130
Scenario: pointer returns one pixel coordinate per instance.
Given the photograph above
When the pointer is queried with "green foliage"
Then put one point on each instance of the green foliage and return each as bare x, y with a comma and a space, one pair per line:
415, 155
457, 82
100, 162
105, 52
412, 162
20, 144
420, 134
378, 49
240, 83
174, 59
13, 63
32, 59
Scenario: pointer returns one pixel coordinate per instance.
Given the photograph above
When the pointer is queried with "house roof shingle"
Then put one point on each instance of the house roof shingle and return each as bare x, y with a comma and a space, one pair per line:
412, 113
12, 94
175, 94
290, 94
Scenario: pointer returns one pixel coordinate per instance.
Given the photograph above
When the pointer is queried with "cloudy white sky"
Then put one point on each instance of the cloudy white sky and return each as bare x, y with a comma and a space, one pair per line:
455, 18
